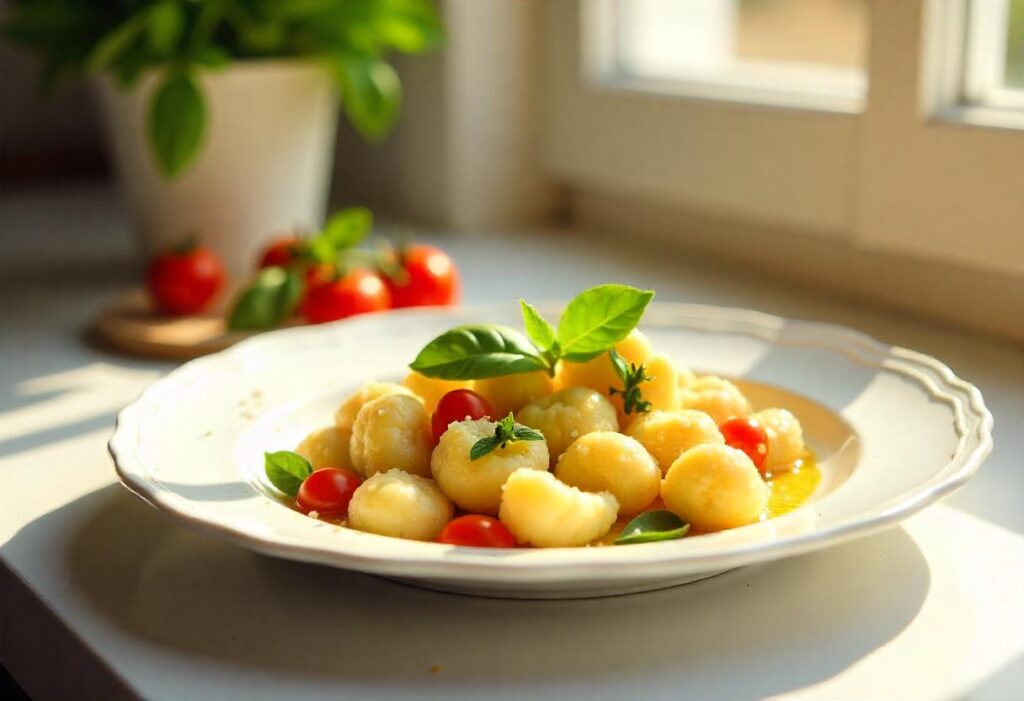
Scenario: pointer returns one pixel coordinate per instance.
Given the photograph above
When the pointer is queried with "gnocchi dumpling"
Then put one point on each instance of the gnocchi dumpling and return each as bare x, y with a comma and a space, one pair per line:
431, 389
475, 485
668, 434
611, 462
542, 511
568, 414
599, 374
785, 436
399, 504
511, 392
714, 487
326, 447
715, 396
662, 390
345, 416
392, 432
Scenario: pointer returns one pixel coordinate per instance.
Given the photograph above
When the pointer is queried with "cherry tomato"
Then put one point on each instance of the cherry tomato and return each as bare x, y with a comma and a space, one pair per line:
358, 292
427, 277
318, 274
327, 491
281, 251
749, 436
457, 405
477, 531
184, 281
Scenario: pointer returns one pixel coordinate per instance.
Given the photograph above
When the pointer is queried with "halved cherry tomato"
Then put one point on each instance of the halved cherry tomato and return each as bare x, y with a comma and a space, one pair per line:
281, 251
458, 405
359, 292
427, 277
184, 280
477, 531
749, 436
327, 491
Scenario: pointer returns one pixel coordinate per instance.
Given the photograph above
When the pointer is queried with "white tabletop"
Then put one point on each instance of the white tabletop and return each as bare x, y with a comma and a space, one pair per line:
101, 596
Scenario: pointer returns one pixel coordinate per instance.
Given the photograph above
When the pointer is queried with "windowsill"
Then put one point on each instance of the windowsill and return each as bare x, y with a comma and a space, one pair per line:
983, 116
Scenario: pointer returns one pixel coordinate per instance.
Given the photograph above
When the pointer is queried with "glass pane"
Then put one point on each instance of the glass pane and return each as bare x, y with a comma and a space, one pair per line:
1014, 75
788, 43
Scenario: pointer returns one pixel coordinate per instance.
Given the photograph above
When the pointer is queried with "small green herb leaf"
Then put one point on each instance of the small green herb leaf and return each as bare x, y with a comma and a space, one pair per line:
598, 318
177, 123
505, 432
270, 299
537, 327
165, 26
632, 377
371, 94
348, 227
476, 352
653, 526
114, 44
286, 470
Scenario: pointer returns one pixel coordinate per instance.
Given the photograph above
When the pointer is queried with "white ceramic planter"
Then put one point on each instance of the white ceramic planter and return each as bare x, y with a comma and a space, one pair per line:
265, 165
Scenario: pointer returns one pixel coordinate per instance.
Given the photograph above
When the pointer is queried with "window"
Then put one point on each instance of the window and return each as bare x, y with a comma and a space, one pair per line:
994, 66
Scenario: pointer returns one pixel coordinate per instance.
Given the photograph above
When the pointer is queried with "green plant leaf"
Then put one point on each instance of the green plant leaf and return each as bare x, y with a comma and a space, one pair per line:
115, 43
483, 446
165, 26
411, 26
476, 352
348, 228
505, 431
537, 327
653, 526
371, 94
631, 376
598, 318
177, 123
286, 470
268, 301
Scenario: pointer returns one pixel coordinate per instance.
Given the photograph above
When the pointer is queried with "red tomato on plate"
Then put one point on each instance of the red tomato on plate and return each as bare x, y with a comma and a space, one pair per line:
749, 436
359, 292
477, 531
327, 491
427, 277
457, 405
184, 281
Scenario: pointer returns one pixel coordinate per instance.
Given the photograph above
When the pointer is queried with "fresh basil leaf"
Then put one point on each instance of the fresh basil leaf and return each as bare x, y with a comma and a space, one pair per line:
116, 42
537, 327
410, 26
165, 26
371, 94
286, 470
527, 434
476, 352
598, 318
349, 227
177, 123
271, 298
484, 446
653, 526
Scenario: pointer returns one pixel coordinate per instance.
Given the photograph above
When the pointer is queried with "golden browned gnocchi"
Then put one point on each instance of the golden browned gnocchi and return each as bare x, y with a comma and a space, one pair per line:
345, 416
430, 390
715, 396
785, 437
599, 374
568, 414
668, 434
399, 504
326, 447
714, 487
392, 431
611, 462
512, 392
542, 511
475, 485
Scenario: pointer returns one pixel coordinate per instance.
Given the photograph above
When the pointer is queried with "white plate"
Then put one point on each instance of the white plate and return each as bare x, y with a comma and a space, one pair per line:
893, 430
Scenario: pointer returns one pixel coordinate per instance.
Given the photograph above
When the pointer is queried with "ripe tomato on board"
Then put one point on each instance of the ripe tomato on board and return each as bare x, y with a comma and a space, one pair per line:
477, 531
426, 277
458, 405
749, 436
184, 280
281, 251
327, 491
358, 292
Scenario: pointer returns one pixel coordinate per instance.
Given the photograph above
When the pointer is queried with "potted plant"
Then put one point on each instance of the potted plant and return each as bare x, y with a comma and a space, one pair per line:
221, 114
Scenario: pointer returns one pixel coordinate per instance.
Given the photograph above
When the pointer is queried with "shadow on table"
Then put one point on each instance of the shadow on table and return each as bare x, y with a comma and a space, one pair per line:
201, 597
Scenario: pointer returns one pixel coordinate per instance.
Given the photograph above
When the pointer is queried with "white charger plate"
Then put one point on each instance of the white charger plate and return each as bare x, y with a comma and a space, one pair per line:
893, 431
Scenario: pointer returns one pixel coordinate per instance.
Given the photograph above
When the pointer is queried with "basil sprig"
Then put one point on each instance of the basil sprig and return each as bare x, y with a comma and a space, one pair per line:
632, 375
504, 433
653, 526
270, 299
592, 323
286, 470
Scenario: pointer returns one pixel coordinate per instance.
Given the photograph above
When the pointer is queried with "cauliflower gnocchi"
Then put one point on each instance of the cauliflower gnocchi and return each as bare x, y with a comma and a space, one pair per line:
715, 396
401, 505
714, 487
668, 434
475, 485
494, 422
611, 462
392, 431
785, 437
541, 510
568, 414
